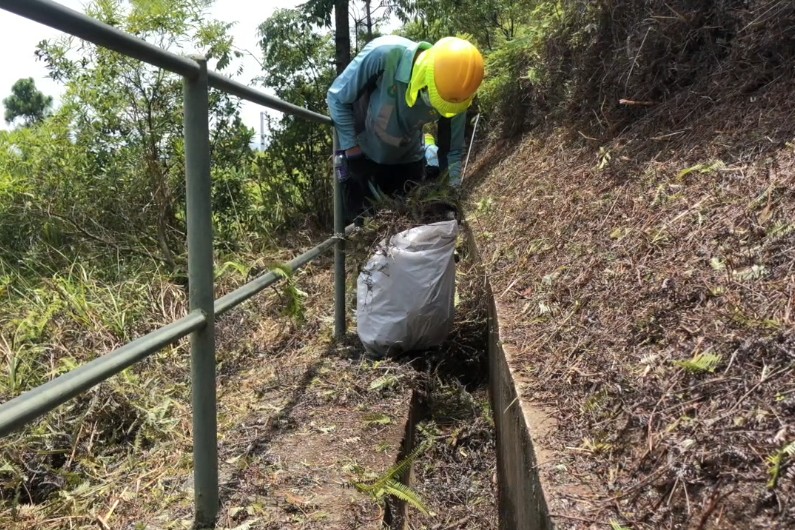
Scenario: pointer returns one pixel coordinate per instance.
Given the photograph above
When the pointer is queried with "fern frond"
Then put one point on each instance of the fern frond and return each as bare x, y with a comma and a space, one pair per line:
397, 470
240, 268
703, 362
776, 461
294, 296
406, 494
283, 270
389, 483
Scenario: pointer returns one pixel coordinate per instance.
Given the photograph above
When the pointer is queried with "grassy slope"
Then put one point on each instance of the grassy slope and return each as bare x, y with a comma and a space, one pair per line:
301, 419
122, 452
614, 280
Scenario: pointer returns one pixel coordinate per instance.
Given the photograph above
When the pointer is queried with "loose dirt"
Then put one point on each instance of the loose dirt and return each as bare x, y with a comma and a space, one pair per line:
647, 287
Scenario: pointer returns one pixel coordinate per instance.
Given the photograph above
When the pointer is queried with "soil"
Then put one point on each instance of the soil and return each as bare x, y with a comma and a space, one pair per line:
646, 284
345, 422
457, 474
305, 419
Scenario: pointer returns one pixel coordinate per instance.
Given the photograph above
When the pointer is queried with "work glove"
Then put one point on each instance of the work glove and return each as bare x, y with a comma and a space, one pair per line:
357, 167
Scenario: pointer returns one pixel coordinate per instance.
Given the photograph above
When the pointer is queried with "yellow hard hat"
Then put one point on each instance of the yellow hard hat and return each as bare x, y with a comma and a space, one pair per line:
429, 139
451, 70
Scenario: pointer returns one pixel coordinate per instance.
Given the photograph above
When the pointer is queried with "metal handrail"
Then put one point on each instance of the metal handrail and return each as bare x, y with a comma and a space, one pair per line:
62, 18
241, 294
203, 310
240, 90
42, 399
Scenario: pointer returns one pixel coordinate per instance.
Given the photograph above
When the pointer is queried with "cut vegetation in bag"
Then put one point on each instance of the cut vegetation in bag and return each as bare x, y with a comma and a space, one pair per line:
406, 291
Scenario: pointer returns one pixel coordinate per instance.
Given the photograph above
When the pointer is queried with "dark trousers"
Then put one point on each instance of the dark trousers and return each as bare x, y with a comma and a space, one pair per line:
394, 180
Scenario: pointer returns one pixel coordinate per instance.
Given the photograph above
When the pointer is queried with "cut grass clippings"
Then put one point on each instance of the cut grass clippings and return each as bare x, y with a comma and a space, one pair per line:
650, 305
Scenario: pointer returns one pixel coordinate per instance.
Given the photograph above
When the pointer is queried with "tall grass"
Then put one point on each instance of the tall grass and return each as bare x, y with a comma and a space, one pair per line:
50, 325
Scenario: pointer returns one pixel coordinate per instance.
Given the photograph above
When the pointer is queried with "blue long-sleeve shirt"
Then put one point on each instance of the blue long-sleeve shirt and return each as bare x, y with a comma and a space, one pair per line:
368, 105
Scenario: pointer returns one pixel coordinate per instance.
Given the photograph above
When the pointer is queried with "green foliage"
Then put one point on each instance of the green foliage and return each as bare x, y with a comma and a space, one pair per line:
26, 102
514, 36
51, 325
424, 30
487, 21
776, 461
295, 172
117, 140
101, 181
701, 363
319, 9
241, 269
293, 297
39, 314
389, 484
514, 67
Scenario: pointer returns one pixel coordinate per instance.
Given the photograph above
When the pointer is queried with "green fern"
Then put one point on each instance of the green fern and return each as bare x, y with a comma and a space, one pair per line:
400, 468
776, 461
241, 269
707, 169
389, 483
294, 307
404, 493
703, 362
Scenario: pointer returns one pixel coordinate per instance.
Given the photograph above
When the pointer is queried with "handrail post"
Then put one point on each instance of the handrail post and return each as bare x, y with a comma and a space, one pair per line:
339, 251
200, 281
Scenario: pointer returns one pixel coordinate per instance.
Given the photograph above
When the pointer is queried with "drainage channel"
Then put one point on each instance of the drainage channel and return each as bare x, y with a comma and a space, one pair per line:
453, 474
449, 447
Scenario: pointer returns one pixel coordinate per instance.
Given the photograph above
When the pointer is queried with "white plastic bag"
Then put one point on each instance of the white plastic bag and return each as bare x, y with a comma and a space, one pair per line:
406, 291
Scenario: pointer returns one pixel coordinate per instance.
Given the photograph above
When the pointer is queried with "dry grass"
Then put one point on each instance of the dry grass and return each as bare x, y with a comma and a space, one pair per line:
120, 455
605, 65
618, 284
300, 420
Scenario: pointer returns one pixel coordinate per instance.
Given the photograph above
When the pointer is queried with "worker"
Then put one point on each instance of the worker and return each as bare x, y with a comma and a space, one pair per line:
432, 170
382, 100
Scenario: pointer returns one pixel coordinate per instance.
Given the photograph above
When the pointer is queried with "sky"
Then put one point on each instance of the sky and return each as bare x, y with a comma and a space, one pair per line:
19, 36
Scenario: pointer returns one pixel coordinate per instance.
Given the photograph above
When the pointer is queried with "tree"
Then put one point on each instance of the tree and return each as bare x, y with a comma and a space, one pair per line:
321, 10
298, 66
366, 19
342, 35
26, 102
117, 176
488, 22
